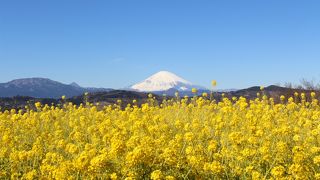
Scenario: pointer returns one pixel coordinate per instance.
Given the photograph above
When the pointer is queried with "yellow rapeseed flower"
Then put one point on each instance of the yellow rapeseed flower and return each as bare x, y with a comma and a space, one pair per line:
194, 90
214, 83
178, 138
156, 175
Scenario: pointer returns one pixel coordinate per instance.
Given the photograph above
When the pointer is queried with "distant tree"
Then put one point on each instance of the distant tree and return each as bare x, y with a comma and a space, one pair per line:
299, 87
310, 84
288, 85
305, 84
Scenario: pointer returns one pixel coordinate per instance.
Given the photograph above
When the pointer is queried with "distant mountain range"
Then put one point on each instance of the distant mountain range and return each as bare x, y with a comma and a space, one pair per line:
163, 82
24, 92
43, 88
111, 97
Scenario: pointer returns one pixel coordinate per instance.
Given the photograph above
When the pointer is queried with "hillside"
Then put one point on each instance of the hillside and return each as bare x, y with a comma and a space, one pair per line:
111, 97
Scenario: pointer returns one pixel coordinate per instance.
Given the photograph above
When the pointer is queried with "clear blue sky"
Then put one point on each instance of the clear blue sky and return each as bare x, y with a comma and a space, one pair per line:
115, 43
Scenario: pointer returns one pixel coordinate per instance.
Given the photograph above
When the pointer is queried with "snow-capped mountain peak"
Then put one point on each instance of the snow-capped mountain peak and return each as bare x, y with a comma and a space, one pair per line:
168, 77
163, 81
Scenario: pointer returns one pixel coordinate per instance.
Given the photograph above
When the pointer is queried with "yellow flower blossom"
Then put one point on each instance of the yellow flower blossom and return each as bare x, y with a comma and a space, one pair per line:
179, 138
214, 83
156, 175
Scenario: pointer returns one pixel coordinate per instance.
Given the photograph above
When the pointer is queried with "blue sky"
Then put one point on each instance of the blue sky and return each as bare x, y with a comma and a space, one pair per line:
115, 43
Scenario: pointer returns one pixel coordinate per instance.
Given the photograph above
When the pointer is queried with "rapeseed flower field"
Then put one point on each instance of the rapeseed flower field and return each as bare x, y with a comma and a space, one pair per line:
182, 138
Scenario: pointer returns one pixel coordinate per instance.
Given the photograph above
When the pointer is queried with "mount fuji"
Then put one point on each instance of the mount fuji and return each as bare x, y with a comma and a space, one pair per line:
165, 82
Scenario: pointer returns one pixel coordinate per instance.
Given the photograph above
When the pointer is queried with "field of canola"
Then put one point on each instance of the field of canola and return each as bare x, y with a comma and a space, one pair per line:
179, 139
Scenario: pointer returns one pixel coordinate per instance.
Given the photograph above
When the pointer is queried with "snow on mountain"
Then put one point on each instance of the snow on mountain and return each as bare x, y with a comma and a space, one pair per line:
163, 81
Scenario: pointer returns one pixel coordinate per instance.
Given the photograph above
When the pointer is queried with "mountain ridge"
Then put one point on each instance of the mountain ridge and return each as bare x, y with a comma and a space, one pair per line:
47, 88
43, 88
